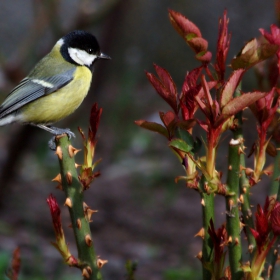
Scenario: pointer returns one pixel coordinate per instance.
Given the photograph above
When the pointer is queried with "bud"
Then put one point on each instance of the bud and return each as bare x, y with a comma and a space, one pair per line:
55, 213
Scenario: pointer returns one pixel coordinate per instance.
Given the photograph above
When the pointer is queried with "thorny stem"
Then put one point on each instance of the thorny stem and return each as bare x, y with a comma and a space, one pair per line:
233, 222
244, 186
247, 216
274, 192
73, 189
207, 201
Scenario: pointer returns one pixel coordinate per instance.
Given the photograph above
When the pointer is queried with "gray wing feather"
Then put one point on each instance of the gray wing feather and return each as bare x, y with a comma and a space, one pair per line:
28, 91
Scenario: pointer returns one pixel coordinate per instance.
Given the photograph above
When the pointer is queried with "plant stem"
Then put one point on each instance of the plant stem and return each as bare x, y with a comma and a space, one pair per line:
72, 187
274, 192
233, 222
244, 186
207, 215
246, 207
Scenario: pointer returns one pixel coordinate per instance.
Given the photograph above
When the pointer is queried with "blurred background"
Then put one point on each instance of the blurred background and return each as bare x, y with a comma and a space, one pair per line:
143, 215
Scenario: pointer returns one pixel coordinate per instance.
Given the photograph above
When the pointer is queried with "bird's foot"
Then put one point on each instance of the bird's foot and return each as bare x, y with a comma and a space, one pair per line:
55, 131
59, 131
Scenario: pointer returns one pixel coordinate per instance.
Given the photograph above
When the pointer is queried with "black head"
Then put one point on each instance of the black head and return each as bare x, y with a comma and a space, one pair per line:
81, 48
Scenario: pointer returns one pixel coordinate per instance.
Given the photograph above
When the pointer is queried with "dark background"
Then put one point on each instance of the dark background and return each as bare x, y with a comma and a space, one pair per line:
143, 215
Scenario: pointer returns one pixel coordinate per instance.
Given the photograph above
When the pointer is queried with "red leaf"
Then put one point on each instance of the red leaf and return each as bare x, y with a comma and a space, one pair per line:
222, 46
241, 102
203, 125
204, 57
198, 44
187, 124
94, 121
230, 87
164, 86
183, 26
166, 80
274, 37
252, 53
55, 213
168, 119
13, 271
191, 79
152, 126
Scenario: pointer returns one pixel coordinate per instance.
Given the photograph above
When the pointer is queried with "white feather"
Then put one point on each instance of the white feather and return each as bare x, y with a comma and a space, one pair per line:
10, 119
42, 83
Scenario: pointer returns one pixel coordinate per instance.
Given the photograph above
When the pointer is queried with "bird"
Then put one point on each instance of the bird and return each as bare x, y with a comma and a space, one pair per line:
56, 86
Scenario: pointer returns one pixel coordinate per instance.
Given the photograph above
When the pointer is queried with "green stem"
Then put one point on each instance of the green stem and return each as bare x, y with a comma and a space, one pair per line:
244, 186
72, 187
274, 192
233, 222
246, 207
207, 215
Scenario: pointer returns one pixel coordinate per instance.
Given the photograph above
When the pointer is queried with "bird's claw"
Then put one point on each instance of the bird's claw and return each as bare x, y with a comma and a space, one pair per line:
58, 131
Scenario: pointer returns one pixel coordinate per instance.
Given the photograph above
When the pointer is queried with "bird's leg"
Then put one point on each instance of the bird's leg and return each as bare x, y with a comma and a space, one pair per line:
56, 131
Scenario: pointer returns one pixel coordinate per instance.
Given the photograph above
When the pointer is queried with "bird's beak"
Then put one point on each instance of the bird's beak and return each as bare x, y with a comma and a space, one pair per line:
104, 56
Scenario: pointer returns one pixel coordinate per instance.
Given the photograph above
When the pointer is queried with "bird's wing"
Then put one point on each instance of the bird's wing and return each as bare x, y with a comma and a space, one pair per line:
30, 89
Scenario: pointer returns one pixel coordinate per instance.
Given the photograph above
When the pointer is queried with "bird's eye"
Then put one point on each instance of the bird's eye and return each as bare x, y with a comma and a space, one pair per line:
90, 51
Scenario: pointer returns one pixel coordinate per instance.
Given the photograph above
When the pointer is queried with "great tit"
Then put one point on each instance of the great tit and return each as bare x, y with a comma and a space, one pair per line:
56, 86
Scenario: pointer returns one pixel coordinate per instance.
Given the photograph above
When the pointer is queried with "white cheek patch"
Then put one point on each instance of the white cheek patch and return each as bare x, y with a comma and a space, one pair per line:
81, 57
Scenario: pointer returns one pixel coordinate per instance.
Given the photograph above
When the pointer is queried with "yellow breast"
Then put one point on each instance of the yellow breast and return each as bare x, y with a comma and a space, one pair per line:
59, 104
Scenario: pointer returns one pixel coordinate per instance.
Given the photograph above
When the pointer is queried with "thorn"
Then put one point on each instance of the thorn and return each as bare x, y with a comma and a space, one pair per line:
229, 167
236, 241
249, 212
59, 187
206, 187
244, 190
275, 252
201, 233
230, 204
202, 202
79, 223
249, 171
250, 248
241, 225
69, 178
269, 270
57, 178
230, 239
77, 165
68, 202
88, 240
89, 269
72, 151
241, 198
100, 263
199, 255
241, 151
85, 273
85, 206
88, 214
58, 152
